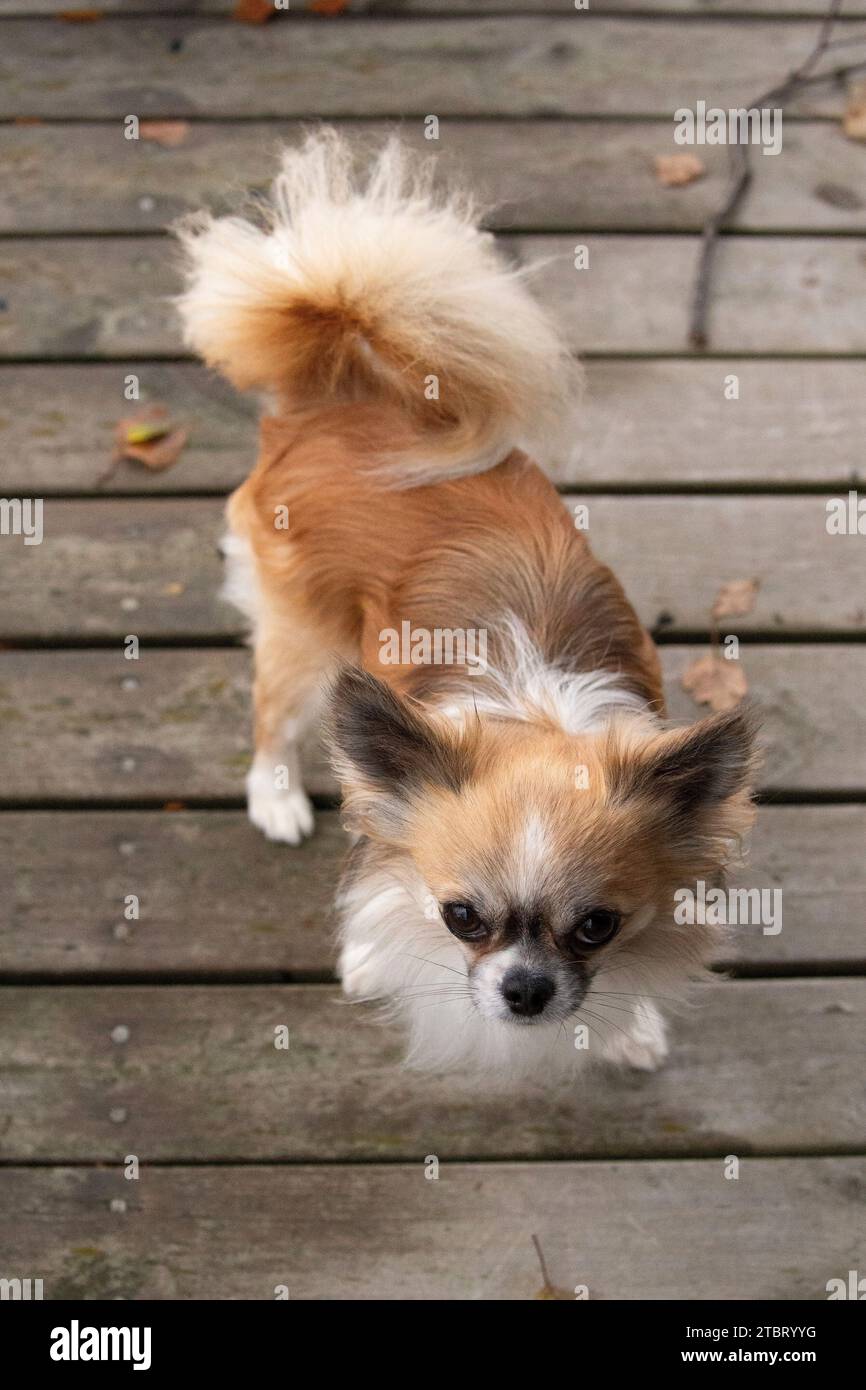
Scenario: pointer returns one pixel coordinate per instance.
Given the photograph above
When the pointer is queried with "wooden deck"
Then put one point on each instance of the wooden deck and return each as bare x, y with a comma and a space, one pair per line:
154, 1038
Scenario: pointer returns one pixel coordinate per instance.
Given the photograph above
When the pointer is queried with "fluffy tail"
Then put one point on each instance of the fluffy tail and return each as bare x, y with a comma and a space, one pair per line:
370, 287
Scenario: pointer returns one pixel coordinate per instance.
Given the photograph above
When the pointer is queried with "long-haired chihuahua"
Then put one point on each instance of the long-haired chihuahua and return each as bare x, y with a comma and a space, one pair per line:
522, 815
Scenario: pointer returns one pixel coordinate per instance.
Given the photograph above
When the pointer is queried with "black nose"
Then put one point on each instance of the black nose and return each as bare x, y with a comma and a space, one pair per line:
527, 993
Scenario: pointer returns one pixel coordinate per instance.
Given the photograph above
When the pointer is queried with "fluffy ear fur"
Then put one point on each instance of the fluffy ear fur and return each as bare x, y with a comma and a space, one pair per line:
384, 749
691, 770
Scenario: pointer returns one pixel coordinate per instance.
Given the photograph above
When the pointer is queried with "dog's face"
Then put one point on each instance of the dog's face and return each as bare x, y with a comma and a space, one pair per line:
553, 859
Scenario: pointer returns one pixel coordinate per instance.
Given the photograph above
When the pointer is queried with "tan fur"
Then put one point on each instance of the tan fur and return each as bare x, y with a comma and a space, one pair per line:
358, 558
363, 282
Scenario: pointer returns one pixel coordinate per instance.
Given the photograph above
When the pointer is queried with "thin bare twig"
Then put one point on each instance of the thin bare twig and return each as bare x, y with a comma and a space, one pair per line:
741, 169
541, 1260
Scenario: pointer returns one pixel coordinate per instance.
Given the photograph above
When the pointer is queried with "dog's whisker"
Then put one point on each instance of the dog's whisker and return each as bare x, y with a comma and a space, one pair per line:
635, 994
618, 1008
432, 1003
425, 960
601, 1019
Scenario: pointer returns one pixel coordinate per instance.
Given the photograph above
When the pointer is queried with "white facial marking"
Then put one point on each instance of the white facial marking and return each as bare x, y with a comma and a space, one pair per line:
531, 856
487, 980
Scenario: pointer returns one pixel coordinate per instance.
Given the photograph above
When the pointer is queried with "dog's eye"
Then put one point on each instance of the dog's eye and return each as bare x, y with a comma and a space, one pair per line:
596, 927
462, 920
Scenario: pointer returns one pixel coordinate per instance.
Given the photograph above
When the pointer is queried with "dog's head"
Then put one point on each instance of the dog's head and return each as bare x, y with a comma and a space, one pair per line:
552, 858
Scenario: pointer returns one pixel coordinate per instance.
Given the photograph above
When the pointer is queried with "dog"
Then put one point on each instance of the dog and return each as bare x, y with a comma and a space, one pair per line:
522, 815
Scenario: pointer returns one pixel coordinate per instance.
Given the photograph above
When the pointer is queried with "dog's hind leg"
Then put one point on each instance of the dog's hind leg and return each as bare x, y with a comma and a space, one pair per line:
288, 667
291, 655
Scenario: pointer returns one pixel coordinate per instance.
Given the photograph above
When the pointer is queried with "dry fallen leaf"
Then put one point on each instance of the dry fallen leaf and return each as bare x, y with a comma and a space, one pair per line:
674, 170
854, 119
736, 598
169, 134
159, 453
253, 11
716, 681
145, 432
150, 437
174, 806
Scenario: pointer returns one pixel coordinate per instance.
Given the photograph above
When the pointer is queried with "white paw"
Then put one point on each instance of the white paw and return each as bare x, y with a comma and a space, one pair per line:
645, 1046
644, 1056
354, 971
280, 813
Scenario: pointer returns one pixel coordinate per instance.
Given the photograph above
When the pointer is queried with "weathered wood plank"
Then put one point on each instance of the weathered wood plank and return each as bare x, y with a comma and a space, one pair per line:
795, 9
643, 422
807, 699
669, 421
534, 65
812, 854
60, 435
217, 898
797, 294
215, 895
112, 567
109, 567
87, 298
756, 1067
540, 176
173, 724
663, 1230
78, 726
110, 297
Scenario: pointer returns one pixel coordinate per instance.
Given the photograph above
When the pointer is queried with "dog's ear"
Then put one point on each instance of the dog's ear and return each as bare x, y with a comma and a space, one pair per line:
691, 770
384, 751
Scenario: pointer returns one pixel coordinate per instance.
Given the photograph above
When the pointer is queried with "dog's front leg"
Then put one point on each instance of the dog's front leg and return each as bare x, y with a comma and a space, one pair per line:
644, 1044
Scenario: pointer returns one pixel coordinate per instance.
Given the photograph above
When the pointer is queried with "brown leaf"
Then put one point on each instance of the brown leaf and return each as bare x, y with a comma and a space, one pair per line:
854, 119
328, 6
736, 598
169, 134
161, 453
150, 421
174, 806
253, 11
674, 170
150, 437
716, 681
80, 16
